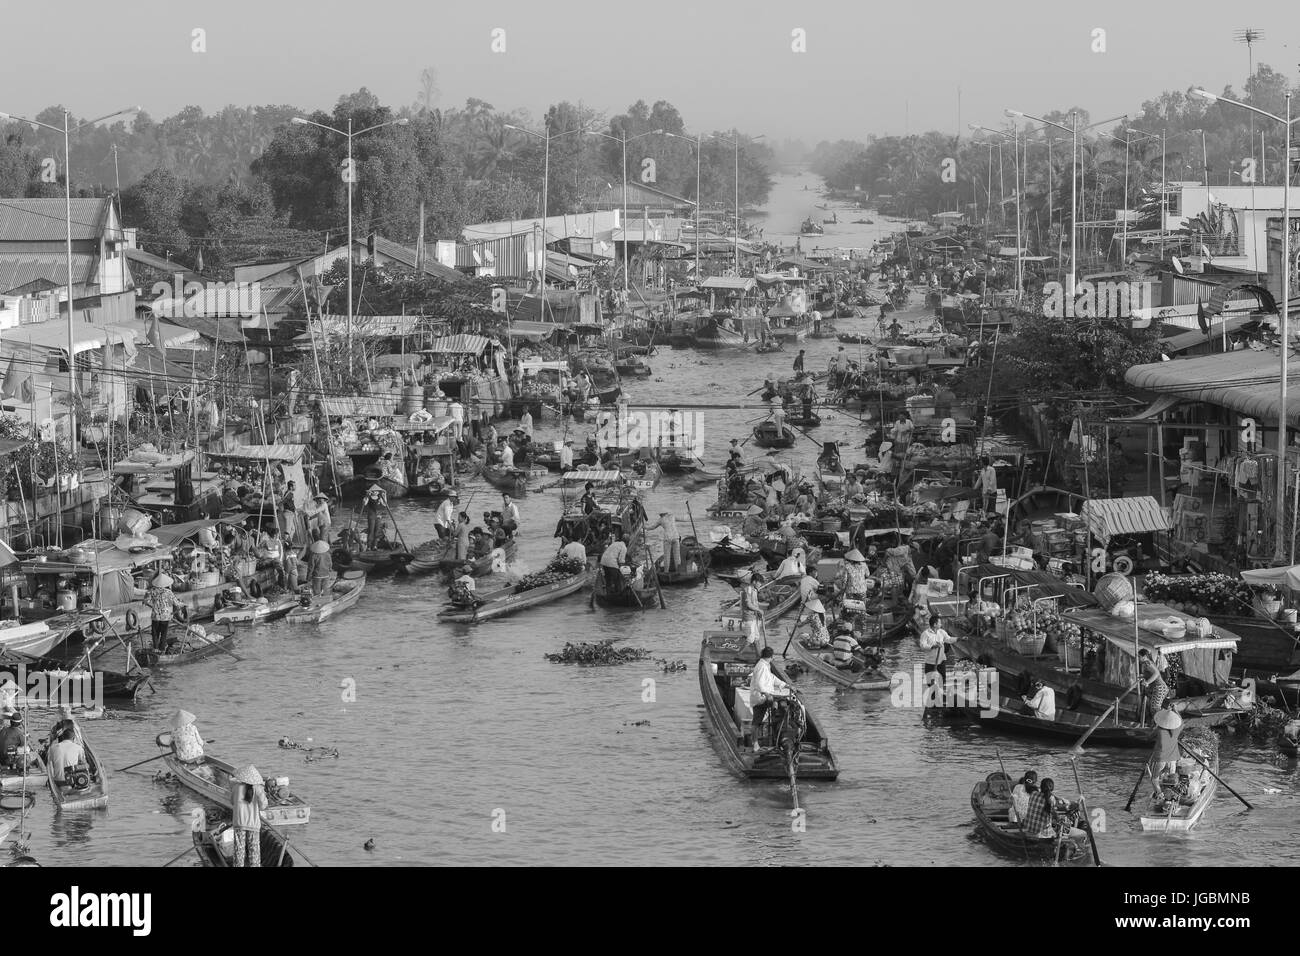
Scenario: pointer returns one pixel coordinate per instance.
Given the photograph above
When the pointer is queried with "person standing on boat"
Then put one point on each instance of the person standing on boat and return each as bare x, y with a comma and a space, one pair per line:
1153, 683
444, 519
852, 579
986, 485
798, 362
320, 565
764, 687
588, 501
462, 537
671, 539
792, 566
612, 560
751, 608
1169, 726
247, 803
509, 515
457, 412
289, 560
526, 422
934, 648
161, 603
566, 456
374, 506
12, 739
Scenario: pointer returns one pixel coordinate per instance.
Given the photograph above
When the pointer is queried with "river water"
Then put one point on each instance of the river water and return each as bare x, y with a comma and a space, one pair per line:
443, 731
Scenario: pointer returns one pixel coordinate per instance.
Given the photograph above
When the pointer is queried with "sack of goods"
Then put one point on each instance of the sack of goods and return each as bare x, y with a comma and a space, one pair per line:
1168, 627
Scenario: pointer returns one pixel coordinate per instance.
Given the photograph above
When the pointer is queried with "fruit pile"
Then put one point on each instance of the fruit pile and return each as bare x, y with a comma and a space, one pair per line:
603, 653
556, 571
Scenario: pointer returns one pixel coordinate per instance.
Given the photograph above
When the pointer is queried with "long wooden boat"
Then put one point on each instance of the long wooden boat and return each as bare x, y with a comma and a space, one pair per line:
345, 593
262, 611
767, 436
777, 598
991, 801
693, 569
191, 648
726, 553
508, 600
209, 845
514, 481
88, 798
1180, 816
854, 338
821, 662
726, 662
211, 778
1066, 726
711, 335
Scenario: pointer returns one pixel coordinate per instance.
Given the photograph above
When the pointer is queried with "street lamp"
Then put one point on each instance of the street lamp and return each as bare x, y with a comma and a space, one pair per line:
545, 137
1073, 129
735, 142
1283, 316
67, 209
624, 139
696, 141
349, 135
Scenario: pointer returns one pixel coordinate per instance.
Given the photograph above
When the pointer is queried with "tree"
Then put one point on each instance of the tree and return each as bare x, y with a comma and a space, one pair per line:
154, 206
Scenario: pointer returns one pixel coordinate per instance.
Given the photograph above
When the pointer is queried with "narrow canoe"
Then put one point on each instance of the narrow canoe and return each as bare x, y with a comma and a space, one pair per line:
1067, 725
777, 597
95, 795
766, 435
820, 661
342, 596
991, 801
275, 852
1182, 816
507, 600
726, 662
258, 612
210, 778
191, 648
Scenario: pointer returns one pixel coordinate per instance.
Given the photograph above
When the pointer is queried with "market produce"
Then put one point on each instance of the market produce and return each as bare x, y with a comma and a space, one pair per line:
556, 571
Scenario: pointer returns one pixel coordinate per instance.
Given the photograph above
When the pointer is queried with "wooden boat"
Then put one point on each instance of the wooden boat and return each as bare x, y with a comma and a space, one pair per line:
820, 661
1288, 745
830, 468
94, 795
767, 436
208, 843
777, 597
677, 461
1185, 813
643, 597
345, 593
712, 335
1066, 726
509, 600
211, 778
727, 553
257, 612
726, 661
991, 801
492, 562
812, 420
795, 329
693, 569
191, 647
854, 338
810, 228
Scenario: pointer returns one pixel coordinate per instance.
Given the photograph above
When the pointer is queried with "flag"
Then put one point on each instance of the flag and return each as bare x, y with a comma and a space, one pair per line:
11, 384
7, 556
1200, 317
155, 335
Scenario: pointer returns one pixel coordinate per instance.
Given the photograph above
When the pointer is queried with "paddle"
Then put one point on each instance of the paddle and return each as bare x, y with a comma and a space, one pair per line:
1024, 843
1083, 809
184, 852
139, 762
1077, 749
1141, 776
797, 618
1192, 754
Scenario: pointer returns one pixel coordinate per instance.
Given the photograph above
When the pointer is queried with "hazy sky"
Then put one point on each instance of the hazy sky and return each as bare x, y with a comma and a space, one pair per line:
869, 67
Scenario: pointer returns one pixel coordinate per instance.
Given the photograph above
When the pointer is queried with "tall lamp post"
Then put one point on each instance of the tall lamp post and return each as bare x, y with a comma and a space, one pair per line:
735, 142
625, 139
1283, 323
67, 131
1074, 129
1016, 167
349, 135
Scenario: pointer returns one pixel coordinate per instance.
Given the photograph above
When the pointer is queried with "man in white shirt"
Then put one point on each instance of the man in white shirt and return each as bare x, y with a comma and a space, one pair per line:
566, 455
934, 648
507, 456
457, 411
509, 514
764, 687
444, 519
574, 550
672, 541
526, 422
1043, 704
612, 560
65, 754
986, 485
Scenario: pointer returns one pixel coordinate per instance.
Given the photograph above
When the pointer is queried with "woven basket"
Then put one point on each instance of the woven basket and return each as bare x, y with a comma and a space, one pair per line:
1032, 645
1111, 589
1071, 657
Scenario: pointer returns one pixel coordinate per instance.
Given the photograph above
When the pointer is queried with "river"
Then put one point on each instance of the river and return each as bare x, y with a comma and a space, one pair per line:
463, 745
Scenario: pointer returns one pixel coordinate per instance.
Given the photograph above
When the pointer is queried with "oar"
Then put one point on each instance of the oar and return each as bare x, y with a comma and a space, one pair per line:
1192, 754
148, 760
797, 619
1077, 749
1083, 809
1146, 769
1024, 843
184, 852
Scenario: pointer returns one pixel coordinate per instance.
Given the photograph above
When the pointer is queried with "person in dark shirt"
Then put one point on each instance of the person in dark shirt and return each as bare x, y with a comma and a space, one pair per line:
588, 501
12, 739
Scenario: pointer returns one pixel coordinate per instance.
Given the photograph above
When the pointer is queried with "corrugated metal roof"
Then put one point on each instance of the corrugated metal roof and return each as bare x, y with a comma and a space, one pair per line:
400, 253
21, 268
281, 452
90, 335
1107, 517
1245, 381
358, 406
371, 325
45, 220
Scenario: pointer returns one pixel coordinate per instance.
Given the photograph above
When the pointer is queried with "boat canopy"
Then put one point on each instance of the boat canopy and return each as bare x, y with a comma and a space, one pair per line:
463, 344
105, 557
357, 406
170, 535
1107, 517
1208, 659
1040, 584
281, 452
729, 283
1278, 577
145, 463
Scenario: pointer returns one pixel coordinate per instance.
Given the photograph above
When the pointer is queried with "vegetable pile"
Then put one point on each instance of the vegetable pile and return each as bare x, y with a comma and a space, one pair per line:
556, 571
603, 653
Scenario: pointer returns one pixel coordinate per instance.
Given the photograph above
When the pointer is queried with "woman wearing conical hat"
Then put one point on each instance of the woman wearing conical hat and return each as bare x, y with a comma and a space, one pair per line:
249, 800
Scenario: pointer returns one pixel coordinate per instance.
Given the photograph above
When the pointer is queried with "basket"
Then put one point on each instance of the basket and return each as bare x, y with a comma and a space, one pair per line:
1031, 645
1071, 657
1111, 589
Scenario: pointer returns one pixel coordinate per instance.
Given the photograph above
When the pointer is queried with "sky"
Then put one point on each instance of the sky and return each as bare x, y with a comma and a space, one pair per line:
866, 68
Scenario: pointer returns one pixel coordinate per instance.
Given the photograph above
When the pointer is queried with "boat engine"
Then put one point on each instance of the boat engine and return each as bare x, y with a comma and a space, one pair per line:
78, 777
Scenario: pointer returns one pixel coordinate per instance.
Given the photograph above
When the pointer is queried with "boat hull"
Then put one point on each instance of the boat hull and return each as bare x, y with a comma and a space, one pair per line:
994, 828
514, 602
814, 661
95, 796
214, 785
347, 592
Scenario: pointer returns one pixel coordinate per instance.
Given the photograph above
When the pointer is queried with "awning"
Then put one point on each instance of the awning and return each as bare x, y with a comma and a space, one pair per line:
170, 535
729, 283
1121, 633
593, 475
463, 344
1152, 411
1187, 340
281, 452
1107, 517
1245, 381
1279, 577
360, 406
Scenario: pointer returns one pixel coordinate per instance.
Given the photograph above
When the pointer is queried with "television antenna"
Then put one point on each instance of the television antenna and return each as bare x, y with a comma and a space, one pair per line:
1250, 36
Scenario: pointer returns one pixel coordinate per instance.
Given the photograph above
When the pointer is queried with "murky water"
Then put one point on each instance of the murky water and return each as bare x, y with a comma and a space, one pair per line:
454, 727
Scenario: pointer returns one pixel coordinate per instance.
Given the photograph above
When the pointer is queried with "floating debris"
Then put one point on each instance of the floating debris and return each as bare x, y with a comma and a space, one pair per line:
312, 753
369, 844
603, 653
669, 667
